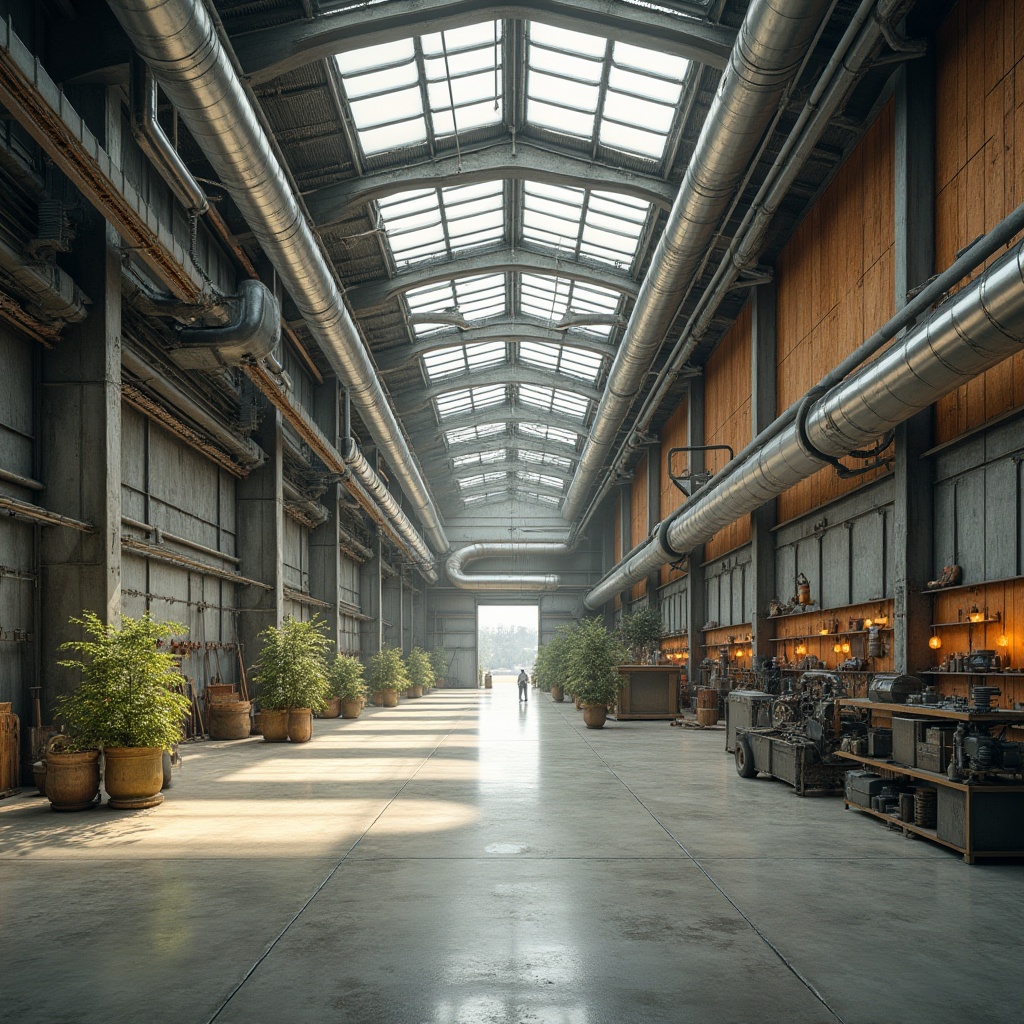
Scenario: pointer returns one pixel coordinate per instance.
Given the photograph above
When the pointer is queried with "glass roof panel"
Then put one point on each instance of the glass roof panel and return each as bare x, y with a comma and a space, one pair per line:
475, 298
549, 433
470, 499
544, 458
480, 458
461, 435
443, 362
466, 482
393, 104
568, 403
551, 298
451, 403
546, 499
541, 479
574, 362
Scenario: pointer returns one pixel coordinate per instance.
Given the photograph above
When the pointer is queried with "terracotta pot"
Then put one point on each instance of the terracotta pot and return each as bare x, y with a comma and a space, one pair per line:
416, 690
386, 698
300, 725
332, 709
594, 715
229, 720
351, 708
274, 725
72, 780
133, 776
557, 694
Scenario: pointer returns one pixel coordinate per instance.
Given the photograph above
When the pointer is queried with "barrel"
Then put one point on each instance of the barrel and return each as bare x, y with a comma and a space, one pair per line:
707, 716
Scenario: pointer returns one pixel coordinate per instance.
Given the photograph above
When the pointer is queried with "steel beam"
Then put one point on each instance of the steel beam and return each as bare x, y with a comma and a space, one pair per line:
441, 461
503, 373
511, 466
373, 294
270, 52
508, 414
524, 161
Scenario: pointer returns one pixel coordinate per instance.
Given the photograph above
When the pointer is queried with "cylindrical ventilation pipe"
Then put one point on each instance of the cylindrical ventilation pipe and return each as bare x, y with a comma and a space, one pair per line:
771, 45
179, 41
504, 581
979, 327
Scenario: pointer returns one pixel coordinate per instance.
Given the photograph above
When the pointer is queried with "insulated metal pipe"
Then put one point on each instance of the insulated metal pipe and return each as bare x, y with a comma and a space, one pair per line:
771, 44
979, 327
504, 581
179, 41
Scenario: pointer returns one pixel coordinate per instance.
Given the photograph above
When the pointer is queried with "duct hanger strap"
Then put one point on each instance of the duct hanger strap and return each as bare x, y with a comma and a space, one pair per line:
843, 472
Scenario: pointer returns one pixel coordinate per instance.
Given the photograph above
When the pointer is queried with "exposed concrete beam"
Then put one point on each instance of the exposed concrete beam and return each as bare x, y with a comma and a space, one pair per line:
270, 52
374, 294
496, 163
513, 331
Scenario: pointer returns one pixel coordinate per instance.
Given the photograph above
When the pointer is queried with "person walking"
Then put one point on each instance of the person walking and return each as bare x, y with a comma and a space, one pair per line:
523, 681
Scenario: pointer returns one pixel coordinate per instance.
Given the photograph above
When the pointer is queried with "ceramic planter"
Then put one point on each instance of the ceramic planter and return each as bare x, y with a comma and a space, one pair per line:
133, 776
72, 780
594, 715
300, 725
229, 720
351, 708
274, 726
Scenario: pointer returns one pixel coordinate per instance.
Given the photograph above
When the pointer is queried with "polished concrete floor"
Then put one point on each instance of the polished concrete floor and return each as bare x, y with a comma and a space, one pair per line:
464, 859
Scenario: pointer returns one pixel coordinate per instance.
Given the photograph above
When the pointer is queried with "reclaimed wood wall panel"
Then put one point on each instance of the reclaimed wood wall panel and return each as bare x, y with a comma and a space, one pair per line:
727, 386
979, 171
835, 286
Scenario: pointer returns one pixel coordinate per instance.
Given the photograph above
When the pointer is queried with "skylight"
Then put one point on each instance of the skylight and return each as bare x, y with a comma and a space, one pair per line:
474, 298
461, 435
395, 104
542, 480
477, 479
573, 362
568, 403
602, 225
455, 359
549, 433
551, 298
546, 499
471, 499
622, 96
544, 458
430, 223
480, 458
452, 403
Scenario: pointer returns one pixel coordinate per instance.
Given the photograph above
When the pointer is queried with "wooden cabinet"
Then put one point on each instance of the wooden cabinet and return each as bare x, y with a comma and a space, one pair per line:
648, 692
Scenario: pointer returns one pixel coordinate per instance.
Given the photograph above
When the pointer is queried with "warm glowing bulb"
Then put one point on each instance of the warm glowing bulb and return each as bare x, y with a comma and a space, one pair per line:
846, 647
1003, 641
868, 623
836, 648
801, 648
974, 615
934, 642
823, 631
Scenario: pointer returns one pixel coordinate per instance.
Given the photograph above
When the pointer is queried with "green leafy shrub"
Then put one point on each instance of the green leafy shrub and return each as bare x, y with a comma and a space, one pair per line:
550, 667
418, 667
124, 699
346, 678
593, 655
439, 663
641, 632
386, 671
292, 670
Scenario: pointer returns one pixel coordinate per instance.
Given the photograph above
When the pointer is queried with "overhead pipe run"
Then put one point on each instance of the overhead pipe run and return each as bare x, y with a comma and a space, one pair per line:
179, 42
980, 326
533, 582
772, 42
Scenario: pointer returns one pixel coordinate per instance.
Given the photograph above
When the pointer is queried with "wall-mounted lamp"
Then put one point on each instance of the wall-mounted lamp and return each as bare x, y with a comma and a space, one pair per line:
846, 647
934, 641
837, 648
974, 614
1003, 641
868, 623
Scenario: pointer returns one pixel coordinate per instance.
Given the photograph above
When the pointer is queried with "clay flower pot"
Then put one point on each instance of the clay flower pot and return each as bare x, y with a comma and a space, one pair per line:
416, 690
300, 725
386, 699
133, 776
332, 709
594, 715
72, 780
229, 720
274, 725
351, 708
557, 694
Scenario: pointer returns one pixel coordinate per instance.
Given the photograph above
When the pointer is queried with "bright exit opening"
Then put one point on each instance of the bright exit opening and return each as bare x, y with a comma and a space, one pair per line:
506, 639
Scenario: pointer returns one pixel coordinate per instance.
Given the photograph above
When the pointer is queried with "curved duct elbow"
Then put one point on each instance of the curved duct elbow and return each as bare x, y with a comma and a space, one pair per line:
251, 336
638, 565
534, 582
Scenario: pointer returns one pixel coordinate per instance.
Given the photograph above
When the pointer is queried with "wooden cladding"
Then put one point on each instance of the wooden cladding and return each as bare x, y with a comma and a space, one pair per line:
979, 171
835, 287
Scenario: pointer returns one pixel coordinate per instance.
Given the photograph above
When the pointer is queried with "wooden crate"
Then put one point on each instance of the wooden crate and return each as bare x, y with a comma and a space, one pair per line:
10, 752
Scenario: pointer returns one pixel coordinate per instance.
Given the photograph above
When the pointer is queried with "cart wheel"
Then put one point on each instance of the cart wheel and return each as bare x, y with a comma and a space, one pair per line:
744, 758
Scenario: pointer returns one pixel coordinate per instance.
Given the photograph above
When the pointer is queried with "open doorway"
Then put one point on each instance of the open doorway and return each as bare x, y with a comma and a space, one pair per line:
506, 639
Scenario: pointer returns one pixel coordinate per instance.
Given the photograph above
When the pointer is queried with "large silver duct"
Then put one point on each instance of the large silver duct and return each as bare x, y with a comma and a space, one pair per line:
179, 42
533, 582
771, 45
979, 327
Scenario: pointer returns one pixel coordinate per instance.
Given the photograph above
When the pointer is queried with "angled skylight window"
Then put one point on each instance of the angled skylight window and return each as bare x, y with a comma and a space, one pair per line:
621, 95
463, 435
480, 458
476, 499
467, 482
602, 225
542, 480
551, 298
473, 298
574, 362
567, 403
549, 433
404, 92
544, 499
452, 403
455, 359
544, 458
430, 223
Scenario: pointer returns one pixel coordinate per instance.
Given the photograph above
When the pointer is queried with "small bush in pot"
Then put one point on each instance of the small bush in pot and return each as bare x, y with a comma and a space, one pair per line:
346, 678
386, 676
550, 666
591, 669
421, 675
292, 677
125, 705
439, 663
641, 632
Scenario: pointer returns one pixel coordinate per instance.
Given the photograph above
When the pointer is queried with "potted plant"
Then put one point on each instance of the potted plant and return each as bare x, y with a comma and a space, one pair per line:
439, 663
346, 679
71, 774
591, 669
641, 632
550, 664
292, 678
418, 667
386, 677
124, 704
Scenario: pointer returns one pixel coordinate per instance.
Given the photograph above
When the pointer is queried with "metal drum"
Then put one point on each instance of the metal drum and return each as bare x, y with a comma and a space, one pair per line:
892, 688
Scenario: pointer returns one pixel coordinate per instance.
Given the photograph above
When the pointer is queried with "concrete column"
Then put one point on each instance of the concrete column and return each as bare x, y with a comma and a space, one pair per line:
80, 433
324, 554
695, 604
260, 504
914, 264
763, 361
653, 514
